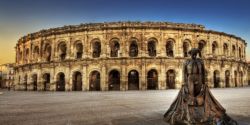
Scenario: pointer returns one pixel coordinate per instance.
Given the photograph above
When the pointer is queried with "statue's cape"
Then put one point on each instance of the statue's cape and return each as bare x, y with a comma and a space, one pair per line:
180, 112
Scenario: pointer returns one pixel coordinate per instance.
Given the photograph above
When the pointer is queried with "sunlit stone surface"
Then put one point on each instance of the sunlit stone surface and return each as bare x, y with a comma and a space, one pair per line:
107, 108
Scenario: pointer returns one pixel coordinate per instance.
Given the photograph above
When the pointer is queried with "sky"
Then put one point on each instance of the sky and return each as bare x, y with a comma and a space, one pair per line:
20, 17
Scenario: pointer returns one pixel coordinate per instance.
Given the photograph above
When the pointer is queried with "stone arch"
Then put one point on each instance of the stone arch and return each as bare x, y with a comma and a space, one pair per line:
227, 78
96, 48
202, 45
216, 76
240, 55
133, 80
215, 48
235, 78
233, 50
152, 79
36, 53
47, 52
170, 79
152, 47
133, 48
241, 76
186, 47
78, 49
114, 80
114, 45
225, 49
60, 82
170, 47
46, 81
34, 82
77, 81
25, 82
26, 55
62, 50
95, 81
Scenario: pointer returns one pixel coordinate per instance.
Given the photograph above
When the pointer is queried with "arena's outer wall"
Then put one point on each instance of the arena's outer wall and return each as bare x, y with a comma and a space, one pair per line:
55, 52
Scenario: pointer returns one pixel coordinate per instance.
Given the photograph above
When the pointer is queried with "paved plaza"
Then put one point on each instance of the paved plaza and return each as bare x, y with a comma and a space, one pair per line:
106, 108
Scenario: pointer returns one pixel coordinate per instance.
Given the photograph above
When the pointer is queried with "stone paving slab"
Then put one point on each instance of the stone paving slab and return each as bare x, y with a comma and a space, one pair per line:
106, 108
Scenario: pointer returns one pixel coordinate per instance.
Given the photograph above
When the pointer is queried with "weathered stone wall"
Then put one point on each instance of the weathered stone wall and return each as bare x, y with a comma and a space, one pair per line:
37, 55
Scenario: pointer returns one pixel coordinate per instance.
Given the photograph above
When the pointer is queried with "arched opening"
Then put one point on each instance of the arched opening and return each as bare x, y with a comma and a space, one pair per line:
62, 51
170, 79
36, 53
79, 50
47, 52
152, 48
201, 46
216, 79
240, 56
115, 47
185, 48
94, 81
233, 50
214, 48
46, 81
225, 49
114, 80
34, 79
133, 80
77, 81
25, 82
248, 73
133, 49
241, 78
96, 49
60, 82
170, 48
227, 78
235, 79
27, 55
152, 79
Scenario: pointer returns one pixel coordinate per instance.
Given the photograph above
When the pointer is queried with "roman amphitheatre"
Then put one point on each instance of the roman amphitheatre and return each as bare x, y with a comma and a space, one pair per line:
125, 56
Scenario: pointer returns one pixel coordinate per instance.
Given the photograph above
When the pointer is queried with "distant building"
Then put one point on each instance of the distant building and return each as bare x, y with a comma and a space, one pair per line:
7, 75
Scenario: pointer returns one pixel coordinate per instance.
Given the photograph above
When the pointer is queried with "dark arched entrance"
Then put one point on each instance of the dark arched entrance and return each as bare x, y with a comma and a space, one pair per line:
25, 83
241, 78
152, 79
34, 78
46, 78
77, 81
170, 79
60, 86
133, 80
114, 80
227, 78
216, 79
94, 81
235, 79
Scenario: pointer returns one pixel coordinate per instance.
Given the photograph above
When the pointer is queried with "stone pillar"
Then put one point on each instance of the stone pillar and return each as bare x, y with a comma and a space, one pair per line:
123, 82
104, 80
143, 76
84, 78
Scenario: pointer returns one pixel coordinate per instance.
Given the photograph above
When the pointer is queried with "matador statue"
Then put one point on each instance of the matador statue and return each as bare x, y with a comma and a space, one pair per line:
195, 104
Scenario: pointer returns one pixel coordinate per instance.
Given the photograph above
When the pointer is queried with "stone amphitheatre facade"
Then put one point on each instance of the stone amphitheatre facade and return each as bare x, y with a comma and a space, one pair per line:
125, 56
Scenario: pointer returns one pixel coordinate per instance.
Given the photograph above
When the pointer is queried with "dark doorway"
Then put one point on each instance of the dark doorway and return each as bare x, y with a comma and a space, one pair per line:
152, 79
227, 78
216, 79
235, 79
60, 86
77, 81
94, 81
170, 79
34, 78
114, 80
25, 83
133, 80
46, 83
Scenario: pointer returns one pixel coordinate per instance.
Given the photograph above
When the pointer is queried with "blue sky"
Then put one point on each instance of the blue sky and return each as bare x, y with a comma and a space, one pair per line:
20, 17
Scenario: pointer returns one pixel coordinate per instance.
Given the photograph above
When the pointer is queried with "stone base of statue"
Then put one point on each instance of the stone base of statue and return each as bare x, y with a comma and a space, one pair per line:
195, 104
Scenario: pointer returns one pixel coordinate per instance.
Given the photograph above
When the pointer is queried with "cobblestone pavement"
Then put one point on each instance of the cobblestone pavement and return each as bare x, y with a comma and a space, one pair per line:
106, 108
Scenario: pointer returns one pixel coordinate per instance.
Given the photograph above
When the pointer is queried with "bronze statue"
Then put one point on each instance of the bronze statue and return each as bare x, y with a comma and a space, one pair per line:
195, 104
